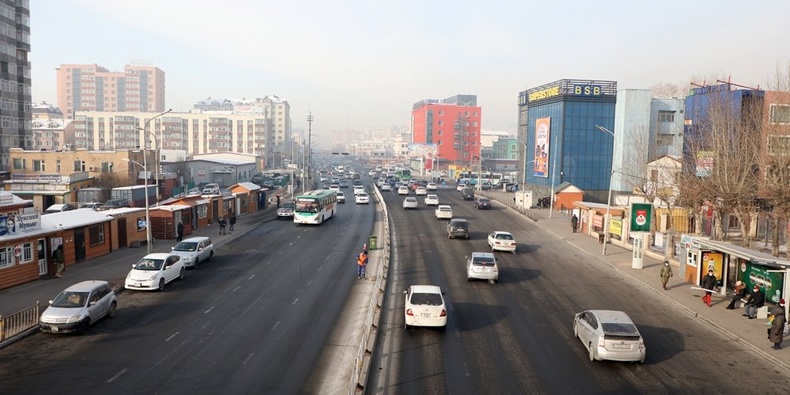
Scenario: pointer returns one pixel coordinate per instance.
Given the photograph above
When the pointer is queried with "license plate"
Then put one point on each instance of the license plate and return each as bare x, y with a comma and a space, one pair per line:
622, 346
138, 285
426, 315
54, 328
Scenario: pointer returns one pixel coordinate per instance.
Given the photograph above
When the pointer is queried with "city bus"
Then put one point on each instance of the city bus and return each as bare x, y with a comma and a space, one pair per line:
315, 207
403, 174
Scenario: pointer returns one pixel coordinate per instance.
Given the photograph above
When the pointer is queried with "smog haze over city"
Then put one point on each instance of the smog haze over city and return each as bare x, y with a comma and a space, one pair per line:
362, 64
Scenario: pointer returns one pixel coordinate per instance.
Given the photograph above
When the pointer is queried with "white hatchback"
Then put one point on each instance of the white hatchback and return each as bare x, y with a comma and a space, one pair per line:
431, 200
154, 271
609, 335
424, 306
194, 250
482, 266
443, 211
410, 202
79, 306
403, 190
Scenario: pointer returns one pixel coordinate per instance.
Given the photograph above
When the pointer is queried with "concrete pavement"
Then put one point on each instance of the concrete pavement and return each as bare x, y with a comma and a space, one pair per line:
751, 333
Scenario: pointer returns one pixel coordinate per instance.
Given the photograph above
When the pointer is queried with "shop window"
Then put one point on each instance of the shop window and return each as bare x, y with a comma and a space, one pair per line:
6, 257
27, 253
96, 235
202, 211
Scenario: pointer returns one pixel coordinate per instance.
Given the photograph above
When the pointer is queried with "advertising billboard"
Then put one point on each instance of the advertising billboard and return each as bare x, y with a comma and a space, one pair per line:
540, 166
769, 282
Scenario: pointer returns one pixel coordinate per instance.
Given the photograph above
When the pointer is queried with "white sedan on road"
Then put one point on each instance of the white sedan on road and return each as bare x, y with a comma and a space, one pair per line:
420, 191
431, 200
431, 186
362, 198
410, 202
443, 211
385, 187
154, 271
609, 335
424, 307
403, 190
502, 241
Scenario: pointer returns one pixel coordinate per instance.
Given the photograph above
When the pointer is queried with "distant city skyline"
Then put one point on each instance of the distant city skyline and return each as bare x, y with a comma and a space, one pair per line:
359, 65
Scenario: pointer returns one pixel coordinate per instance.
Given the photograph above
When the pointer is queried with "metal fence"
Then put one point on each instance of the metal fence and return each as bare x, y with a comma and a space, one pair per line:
21, 321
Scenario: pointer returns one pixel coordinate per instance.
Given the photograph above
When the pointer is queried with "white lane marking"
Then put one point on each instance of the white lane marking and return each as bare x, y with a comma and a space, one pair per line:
247, 359
295, 301
275, 325
250, 277
116, 376
320, 267
172, 336
466, 370
309, 283
209, 310
237, 288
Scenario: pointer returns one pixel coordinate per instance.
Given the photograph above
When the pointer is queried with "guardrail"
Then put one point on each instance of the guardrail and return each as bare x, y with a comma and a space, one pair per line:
19, 322
370, 331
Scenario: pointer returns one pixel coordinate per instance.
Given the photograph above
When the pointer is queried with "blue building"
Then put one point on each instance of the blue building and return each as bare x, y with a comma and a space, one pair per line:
558, 123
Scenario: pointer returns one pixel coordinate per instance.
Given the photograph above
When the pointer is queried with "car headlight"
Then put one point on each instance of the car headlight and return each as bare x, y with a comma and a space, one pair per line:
153, 277
188, 259
75, 318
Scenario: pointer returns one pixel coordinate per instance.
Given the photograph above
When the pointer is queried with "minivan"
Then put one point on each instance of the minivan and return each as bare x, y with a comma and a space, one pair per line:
468, 194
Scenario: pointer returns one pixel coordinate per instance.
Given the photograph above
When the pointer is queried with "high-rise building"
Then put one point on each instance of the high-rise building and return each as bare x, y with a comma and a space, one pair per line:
451, 125
15, 97
89, 87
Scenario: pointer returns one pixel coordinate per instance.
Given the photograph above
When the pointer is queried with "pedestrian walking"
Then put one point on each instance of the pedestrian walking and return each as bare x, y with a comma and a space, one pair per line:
180, 231
60, 260
666, 273
232, 220
574, 222
362, 263
777, 330
278, 202
738, 293
708, 282
756, 300
222, 224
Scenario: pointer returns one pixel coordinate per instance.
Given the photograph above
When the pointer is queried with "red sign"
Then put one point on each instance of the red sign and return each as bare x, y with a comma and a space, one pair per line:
598, 221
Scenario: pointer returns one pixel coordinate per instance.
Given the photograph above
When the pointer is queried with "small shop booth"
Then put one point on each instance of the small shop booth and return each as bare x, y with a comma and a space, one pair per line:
197, 215
246, 196
591, 221
164, 220
128, 228
731, 263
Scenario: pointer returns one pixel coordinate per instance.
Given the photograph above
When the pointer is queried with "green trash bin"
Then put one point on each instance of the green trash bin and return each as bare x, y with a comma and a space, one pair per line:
373, 242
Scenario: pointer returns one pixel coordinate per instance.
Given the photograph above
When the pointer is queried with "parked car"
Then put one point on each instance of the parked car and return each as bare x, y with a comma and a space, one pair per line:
424, 306
59, 208
92, 205
482, 266
286, 210
502, 241
194, 250
609, 335
79, 306
362, 198
482, 203
458, 227
341, 196
115, 203
154, 271
211, 189
431, 200
410, 202
403, 190
443, 211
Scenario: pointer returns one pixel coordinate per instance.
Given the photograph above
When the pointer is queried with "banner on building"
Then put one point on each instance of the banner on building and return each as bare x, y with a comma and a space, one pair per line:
542, 141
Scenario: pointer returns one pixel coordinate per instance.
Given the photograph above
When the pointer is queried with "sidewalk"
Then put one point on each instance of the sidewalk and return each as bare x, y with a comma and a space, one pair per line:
751, 333
114, 266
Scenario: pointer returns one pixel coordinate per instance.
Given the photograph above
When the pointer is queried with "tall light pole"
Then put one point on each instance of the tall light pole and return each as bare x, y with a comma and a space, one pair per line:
608, 199
147, 132
147, 212
310, 142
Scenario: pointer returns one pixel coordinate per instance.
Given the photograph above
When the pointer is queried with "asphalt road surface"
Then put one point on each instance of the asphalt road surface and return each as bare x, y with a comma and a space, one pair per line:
516, 337
253, 320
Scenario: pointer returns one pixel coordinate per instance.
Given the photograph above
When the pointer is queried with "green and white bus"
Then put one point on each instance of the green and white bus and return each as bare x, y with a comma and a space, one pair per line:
315, 207
403, 174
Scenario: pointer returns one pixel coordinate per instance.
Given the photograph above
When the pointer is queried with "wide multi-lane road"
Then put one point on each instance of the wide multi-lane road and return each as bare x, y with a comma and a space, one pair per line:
516, 337
253, 320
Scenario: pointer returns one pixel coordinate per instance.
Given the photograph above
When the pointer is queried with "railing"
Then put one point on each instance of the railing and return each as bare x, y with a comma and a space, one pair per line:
21, 321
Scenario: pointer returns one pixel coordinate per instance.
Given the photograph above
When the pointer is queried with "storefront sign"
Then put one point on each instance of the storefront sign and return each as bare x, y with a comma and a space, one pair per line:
7, 225
28, 222
598, 221
545, 93
641, 217
769, 282
615, 228
587, 90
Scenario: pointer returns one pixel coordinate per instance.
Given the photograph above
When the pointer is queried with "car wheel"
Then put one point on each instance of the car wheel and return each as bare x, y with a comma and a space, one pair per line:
642, 361
197, 263
449, 236
591, 353
211, 254
161, 284
113, 310
86, 323
181, 273
467, 236
469, 279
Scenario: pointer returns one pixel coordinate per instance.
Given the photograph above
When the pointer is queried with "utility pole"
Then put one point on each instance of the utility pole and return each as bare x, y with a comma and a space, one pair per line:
310, 143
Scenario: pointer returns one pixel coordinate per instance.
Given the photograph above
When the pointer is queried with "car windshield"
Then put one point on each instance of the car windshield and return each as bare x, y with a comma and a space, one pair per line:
483, 261
149, 264
287, 205
186, 246
426, 299
619, 328
70, 299
504, 236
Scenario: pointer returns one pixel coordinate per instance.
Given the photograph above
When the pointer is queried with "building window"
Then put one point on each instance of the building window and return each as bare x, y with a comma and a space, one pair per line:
106, 167
441, 112
39, 165
780, 113
6, 257
27, 253
779, 145
96, 235
666, 116
57, 166
654, 175
19, 164
439, 132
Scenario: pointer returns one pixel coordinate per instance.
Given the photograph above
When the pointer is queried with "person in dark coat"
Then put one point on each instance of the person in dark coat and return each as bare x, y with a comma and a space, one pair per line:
708, 282
574, 222
738, 293
180, 231
222, 224
756, 300
232, 221
776, 332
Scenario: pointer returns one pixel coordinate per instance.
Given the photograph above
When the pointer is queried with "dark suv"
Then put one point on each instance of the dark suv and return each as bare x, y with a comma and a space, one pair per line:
468, 194
458, 227
483, 203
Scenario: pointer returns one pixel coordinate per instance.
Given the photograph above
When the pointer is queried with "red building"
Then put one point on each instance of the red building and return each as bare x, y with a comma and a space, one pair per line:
452, 125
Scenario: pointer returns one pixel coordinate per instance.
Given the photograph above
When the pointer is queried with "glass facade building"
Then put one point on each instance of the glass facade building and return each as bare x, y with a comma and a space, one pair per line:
557, 121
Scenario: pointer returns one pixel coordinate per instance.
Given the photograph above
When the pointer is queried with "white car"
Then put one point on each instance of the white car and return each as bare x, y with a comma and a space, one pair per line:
385, 187
334, 187
79, 306
609, 335
431, 200
420, 191
358, 189
443, 211
154, 271
431, 186
195, 250
341, 196
410, 202
502, 241
403, 190
424, 307
362, 198
482, 266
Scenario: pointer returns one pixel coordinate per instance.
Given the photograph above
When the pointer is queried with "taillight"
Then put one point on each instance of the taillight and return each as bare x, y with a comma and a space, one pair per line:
496, 269
443, 313
641, 344
409, 312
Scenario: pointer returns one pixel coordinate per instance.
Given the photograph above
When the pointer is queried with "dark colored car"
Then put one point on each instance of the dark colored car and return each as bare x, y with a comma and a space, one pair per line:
458, 227
483, 204
468, 194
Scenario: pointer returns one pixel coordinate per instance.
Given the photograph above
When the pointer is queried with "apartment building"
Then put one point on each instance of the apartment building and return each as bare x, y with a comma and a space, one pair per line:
15, 95
90, 87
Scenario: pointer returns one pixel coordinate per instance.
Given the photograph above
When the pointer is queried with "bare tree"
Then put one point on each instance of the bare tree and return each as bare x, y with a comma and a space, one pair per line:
109, 180
666, 90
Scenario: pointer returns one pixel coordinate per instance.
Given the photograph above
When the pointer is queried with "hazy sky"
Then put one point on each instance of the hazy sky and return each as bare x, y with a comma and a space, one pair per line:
363, 63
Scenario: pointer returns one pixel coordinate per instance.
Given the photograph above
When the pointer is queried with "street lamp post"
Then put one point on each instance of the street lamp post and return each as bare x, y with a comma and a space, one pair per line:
156, 152
608, 199
309, 142
147, 212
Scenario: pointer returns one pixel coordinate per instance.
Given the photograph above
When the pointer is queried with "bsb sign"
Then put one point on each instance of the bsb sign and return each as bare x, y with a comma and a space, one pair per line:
641, 217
